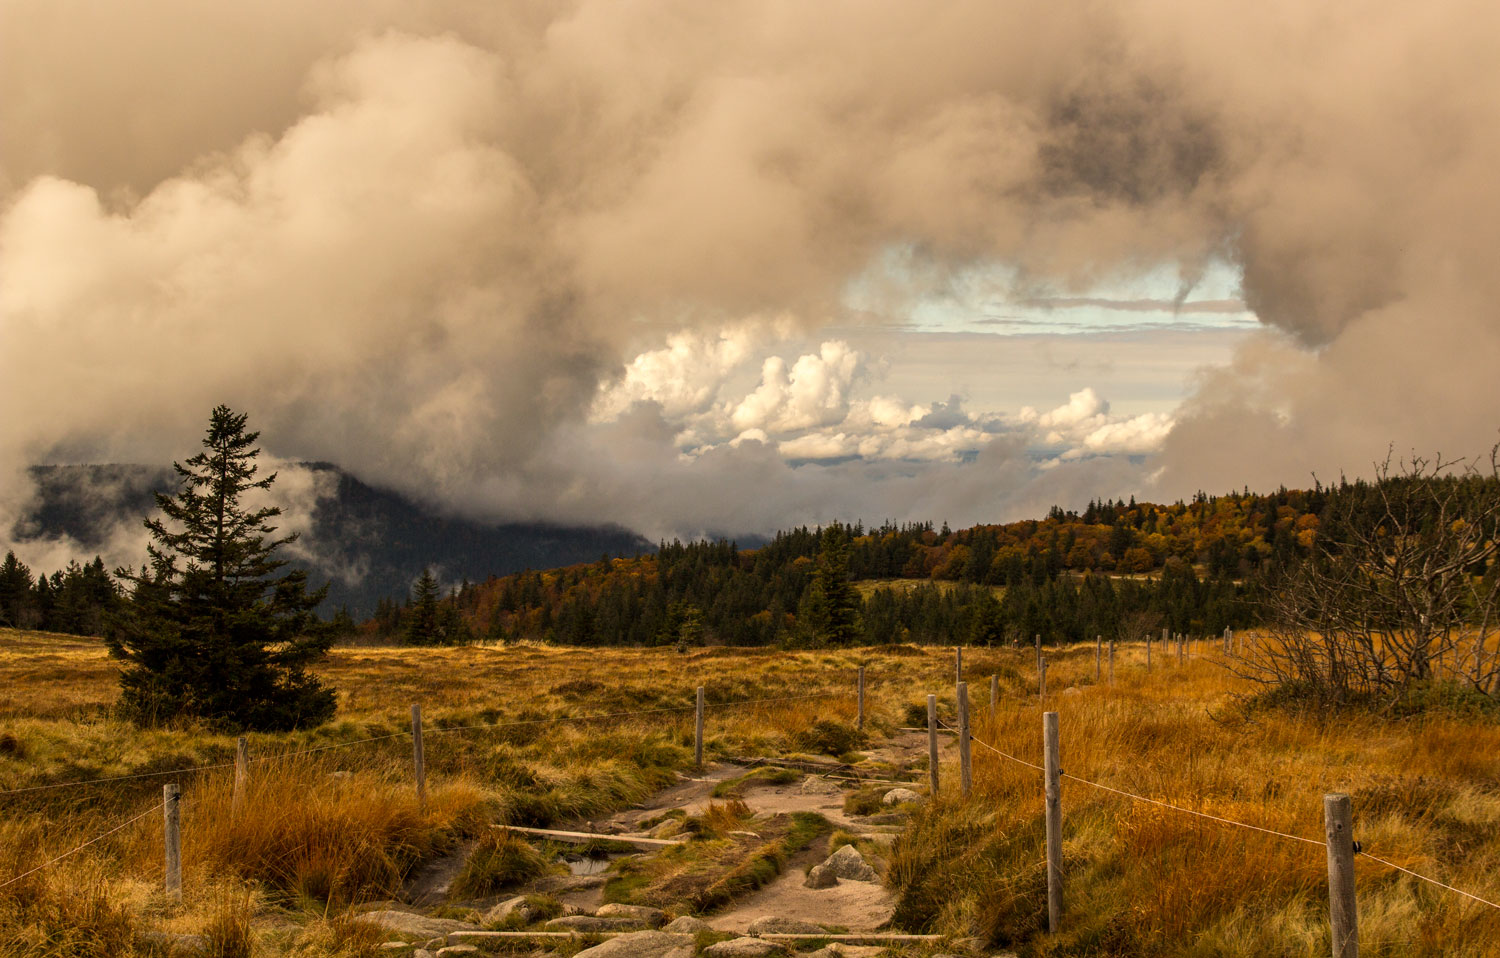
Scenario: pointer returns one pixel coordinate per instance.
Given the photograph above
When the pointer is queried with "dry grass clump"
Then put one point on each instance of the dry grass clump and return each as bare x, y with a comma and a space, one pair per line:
498, 860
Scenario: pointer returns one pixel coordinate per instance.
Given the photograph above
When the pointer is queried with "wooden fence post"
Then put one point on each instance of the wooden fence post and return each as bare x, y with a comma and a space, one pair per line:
1342, 910
1111, 661
861, 721
958, 664
965, 770
171, 808
1054, 822
1179, 649
698, 731
1039, 653
994, 695
932, 749
419, 761
241, 776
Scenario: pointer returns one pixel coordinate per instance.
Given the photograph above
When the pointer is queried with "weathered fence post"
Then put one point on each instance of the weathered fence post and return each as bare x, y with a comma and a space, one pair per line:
1039, 653
419, 762
932, 748
1111, 661
1179, 649
698, 730
1054, 822
965, 770
171, 809
994, 696
1342, 910
860, 724
241, 776
1098, 656
958, 664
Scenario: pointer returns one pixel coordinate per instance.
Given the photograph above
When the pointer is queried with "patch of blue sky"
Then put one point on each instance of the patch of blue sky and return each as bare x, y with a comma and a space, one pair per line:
907, 291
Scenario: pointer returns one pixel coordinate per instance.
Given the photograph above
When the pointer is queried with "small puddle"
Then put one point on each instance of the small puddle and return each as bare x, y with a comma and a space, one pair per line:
588, 866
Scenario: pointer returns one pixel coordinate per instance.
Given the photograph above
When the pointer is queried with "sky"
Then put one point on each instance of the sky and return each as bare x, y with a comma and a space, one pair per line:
725, 268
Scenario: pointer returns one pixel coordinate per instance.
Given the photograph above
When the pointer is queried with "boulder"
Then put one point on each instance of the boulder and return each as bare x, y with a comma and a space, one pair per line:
688, 925
456, 951
775, 925
818, 785
820, 876
654, 917
411, 925
742, 948
848, 863
516, 907
589, 923
642, 944
900, 796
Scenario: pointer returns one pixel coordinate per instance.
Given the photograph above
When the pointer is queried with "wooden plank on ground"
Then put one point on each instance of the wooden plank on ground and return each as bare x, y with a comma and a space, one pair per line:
591, 836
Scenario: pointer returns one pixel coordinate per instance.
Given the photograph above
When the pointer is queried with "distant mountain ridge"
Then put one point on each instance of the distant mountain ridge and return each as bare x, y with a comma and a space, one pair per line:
368, 543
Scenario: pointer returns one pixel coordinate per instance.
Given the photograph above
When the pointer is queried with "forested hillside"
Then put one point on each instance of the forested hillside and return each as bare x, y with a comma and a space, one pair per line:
1117, 568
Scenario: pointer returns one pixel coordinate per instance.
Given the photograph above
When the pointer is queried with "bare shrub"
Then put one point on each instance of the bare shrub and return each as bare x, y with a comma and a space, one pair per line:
1402, 591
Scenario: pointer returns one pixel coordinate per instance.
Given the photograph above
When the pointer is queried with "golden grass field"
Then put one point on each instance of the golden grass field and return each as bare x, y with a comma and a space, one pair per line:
1142, 880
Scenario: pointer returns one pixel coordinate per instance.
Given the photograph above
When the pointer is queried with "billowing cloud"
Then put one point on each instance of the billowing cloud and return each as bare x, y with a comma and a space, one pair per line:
439, 244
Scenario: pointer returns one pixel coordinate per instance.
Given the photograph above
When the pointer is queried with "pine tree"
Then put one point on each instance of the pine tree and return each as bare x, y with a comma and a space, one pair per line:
214, 629
831, 604
422, 614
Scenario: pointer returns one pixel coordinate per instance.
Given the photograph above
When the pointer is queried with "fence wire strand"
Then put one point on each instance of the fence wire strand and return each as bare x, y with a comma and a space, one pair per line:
437, 730
74, 851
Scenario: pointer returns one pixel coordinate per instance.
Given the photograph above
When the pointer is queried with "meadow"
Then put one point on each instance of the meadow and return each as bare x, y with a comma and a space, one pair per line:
531, 734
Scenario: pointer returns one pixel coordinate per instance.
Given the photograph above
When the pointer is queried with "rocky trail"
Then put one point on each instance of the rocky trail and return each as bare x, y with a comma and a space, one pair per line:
820, 890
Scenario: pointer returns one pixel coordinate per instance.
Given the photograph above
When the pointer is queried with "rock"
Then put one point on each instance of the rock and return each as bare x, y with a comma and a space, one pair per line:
742, 948
511, 906
422, 953
340, 775
848, 863
969, 944
589, 923
1070, 690
654, 917
820, 876
775, 925
435, 943
818, 785
827, 951
412, 926
454, 951
900, 796
688, 925
642, 944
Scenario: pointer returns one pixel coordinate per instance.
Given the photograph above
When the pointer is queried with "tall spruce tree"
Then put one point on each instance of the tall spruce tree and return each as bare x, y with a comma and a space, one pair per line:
214, 629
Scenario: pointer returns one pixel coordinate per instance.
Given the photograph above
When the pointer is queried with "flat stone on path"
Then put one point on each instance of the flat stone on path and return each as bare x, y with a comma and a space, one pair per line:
775, 925
507, 908
820, 876
588, 923
848, 863
642, 944
654, 917
688, 925
411, 925
742, 948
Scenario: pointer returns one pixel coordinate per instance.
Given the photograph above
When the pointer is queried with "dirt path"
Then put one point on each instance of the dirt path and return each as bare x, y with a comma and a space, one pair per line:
855, 905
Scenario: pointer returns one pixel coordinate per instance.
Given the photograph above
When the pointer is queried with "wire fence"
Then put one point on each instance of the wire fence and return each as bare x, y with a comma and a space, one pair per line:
964, 733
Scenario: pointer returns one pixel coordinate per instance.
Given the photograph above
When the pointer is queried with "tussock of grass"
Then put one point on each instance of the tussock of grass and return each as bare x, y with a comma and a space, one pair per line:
499, 859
